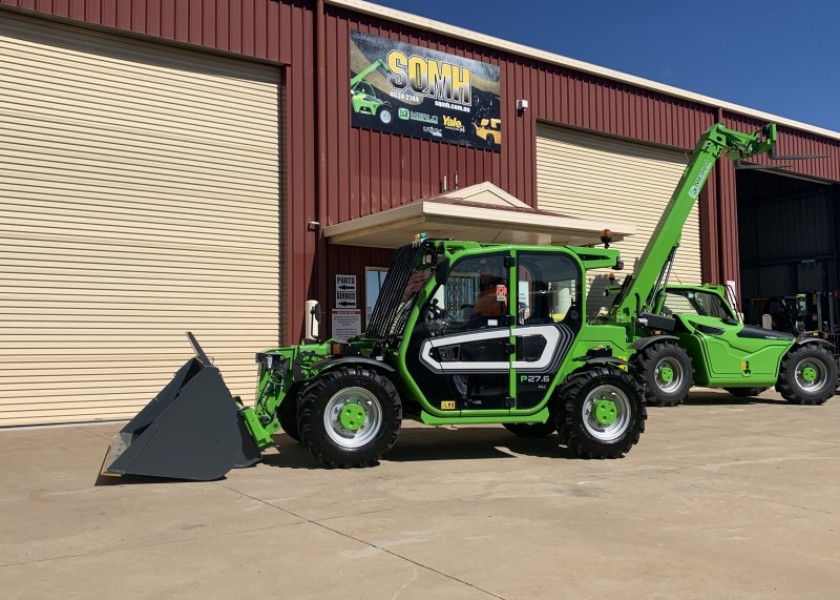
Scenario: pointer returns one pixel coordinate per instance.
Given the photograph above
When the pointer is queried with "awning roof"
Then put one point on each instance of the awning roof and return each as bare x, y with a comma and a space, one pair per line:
481, 213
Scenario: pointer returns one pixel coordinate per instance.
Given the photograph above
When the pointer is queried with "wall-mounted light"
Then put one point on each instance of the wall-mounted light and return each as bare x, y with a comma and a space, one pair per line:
521, 105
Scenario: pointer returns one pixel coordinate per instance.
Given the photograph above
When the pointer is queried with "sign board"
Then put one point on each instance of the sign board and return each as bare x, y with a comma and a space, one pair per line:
345, 291
409, 90
346, 324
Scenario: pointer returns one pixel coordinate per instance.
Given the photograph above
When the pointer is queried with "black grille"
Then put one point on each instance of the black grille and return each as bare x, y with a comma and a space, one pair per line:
391, 313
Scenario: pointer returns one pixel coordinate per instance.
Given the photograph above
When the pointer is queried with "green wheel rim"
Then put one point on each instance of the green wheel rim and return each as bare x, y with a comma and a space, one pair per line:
351, 416
604, 412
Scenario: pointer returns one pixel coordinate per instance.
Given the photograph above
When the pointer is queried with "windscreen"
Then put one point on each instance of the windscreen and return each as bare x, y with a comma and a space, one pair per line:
397, 296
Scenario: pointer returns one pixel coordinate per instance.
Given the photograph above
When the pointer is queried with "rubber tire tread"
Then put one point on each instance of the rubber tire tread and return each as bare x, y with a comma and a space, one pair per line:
786, 384
531, 430
313, 401
642, 367
287, 415
570, 419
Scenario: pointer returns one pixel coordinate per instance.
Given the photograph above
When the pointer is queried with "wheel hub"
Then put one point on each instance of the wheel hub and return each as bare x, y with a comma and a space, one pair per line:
666, 374
605, 412
351, 416
809, 374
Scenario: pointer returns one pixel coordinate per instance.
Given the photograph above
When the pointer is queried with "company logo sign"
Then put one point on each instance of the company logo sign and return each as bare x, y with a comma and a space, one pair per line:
409, 90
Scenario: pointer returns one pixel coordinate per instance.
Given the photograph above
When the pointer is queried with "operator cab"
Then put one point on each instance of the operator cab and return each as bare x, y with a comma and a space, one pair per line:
461, 354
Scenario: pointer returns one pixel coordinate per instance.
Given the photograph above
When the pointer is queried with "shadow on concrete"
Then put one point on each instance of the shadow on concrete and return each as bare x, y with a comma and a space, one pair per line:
430, 443
471, 444
107, 480
723, 399
290, 455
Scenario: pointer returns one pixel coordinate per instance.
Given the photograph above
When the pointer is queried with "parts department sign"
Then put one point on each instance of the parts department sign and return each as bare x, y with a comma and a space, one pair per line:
409, 90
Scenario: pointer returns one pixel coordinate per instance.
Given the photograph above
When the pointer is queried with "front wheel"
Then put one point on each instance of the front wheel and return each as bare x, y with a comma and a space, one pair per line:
349, 417
808, 375
287, 415
531, 430
664, 371
602, 413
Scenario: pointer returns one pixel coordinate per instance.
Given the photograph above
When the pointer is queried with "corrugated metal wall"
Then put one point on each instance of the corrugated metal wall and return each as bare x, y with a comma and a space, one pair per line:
140, 198
365, 171
261, 29
595, 176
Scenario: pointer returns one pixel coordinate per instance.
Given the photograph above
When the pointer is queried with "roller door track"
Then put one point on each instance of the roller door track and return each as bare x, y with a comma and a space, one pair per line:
139, 193
586, 175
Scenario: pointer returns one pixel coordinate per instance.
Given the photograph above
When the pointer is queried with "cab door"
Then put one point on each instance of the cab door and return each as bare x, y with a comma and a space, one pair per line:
548, 318
460, 351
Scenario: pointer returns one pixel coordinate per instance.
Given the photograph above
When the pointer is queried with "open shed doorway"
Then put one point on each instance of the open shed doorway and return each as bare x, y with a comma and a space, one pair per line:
788, 235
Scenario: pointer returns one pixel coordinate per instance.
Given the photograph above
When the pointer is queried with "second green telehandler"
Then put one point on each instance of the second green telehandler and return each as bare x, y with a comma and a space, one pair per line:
689, 335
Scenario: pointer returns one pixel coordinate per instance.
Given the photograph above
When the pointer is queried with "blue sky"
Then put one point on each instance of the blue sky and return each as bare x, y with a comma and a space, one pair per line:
775, 56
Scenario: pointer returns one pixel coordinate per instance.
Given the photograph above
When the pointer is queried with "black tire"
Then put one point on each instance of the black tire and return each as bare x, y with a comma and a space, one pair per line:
531, 430
795, 382
327, 439
581, 431
745, 392
287, 414
658, 360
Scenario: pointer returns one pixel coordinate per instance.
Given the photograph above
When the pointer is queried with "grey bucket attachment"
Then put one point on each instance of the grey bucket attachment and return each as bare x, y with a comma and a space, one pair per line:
191, 430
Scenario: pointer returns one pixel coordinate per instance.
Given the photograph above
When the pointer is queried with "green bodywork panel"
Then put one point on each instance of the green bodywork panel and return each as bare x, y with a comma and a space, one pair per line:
729, 360
724, 351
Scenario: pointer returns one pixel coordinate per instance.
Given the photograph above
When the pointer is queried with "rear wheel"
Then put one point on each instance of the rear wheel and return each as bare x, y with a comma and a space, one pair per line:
602, 413
531, 430
745, 392
664, 371
349, 417
808, 375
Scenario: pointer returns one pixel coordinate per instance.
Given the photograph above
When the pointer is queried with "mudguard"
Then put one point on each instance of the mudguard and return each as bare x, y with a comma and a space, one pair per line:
812, 337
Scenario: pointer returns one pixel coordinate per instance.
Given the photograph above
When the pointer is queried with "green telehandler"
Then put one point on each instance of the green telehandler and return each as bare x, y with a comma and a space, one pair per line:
471, 333
461, 333
689, 335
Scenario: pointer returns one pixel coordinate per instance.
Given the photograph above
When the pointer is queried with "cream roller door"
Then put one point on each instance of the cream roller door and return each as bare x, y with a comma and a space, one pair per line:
139, 198
581, 174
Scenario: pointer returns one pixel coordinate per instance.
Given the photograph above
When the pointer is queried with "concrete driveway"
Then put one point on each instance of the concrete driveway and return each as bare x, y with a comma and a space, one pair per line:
722, 498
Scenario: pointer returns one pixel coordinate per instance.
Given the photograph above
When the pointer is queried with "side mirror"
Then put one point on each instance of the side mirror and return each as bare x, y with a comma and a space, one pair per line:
442, 270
